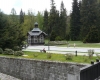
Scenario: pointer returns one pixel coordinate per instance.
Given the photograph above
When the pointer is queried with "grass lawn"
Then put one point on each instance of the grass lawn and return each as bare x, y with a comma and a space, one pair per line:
79, 44
53, 57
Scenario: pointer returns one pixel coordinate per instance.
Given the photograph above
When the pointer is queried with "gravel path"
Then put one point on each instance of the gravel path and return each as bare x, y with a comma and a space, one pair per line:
7, 77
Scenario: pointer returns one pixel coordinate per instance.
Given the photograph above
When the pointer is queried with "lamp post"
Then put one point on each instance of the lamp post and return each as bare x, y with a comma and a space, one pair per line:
48, 40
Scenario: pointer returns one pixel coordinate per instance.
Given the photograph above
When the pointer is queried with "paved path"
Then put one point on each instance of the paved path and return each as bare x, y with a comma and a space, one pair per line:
62, 50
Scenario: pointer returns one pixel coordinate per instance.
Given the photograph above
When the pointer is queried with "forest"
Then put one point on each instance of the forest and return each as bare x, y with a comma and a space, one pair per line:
83, 24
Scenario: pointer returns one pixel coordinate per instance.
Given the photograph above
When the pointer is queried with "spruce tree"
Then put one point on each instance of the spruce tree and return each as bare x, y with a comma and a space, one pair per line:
53, 20
88, 17
98, 18
21, 17
92, 36
63, 21
75, 21
45, 21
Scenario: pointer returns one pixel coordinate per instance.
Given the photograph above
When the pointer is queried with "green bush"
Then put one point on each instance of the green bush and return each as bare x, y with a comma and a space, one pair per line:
8, 52
58, 38
69, 56
92, 36
18, 53
98, 56
1, 51
90, 53
16, 48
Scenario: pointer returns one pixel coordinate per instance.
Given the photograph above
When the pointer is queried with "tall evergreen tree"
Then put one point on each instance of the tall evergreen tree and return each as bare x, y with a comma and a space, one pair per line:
21, 17
45, 21
53, 20
3, 26
88, 17
98, 18
75, 21
92, 36
63, 21
39, 19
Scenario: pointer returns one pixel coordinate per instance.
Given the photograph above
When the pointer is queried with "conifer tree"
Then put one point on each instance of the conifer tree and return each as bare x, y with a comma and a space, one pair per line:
21, 17
75, 21
98, 18
88, 18
53, 20
45, 21
63, 21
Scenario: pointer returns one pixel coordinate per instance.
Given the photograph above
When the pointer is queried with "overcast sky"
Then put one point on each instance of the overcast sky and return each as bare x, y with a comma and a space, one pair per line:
34, 5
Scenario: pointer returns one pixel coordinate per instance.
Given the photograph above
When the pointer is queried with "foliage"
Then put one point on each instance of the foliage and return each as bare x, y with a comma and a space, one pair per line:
16, 48
53, 21
55, 57
11, 32
75, 21
89, 18
8, 52
29, 21
98, 56
3, 26
92, 36
67, 37
62, 21
58, 38
21, 17
39, 19
52, 36
68, 56
90, 53
1, 51
45, 22
18, 53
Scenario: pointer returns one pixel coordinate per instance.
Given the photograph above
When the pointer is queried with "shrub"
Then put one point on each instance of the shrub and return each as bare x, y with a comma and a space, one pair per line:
1, 51
18, 53
98, 55
92, 36
49, 55
16, 48
90, 53
8, 52
69, 56
58, 38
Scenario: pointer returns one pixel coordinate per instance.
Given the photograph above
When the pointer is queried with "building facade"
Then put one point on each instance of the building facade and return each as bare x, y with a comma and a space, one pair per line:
36, 36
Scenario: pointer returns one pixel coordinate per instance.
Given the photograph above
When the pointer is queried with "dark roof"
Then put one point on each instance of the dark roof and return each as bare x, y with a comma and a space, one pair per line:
36, 31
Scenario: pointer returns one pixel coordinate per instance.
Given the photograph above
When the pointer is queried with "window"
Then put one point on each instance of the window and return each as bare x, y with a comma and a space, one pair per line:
41, 38
35, 39
29, 39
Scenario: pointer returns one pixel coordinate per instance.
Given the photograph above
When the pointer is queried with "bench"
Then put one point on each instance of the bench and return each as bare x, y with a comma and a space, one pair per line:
43, 51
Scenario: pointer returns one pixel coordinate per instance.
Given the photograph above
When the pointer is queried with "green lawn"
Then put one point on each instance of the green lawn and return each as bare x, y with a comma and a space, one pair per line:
80, 44
54, 57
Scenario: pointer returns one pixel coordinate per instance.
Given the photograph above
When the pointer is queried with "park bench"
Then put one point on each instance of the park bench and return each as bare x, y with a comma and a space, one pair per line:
43, 50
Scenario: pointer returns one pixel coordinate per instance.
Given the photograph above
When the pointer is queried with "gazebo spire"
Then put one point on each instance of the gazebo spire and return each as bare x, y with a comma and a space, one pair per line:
36, 25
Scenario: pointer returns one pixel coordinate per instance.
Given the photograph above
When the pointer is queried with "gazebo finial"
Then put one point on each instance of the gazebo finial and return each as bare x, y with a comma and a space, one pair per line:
36, 24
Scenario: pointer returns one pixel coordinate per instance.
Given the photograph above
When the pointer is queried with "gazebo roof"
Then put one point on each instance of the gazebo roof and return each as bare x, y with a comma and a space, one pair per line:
36, 31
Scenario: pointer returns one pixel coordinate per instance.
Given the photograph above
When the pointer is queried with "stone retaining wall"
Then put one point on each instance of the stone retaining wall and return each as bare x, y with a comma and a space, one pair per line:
25, 69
